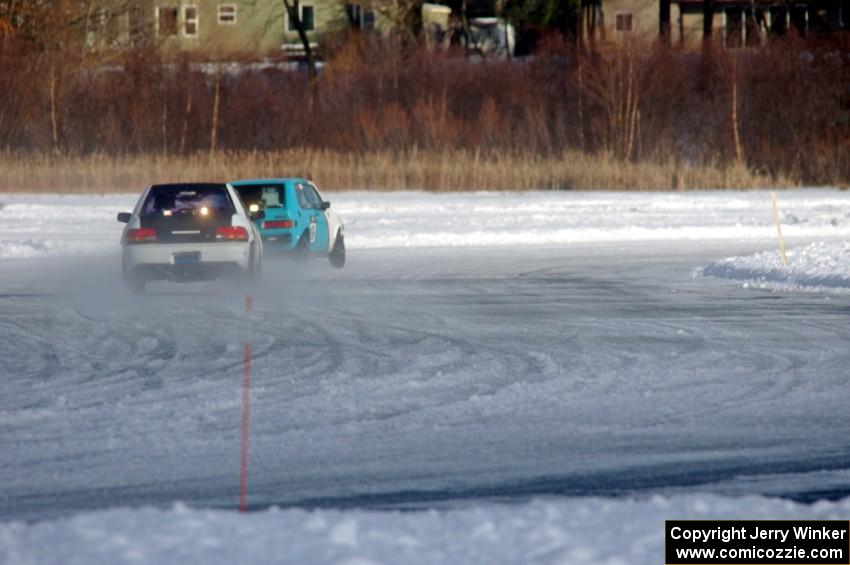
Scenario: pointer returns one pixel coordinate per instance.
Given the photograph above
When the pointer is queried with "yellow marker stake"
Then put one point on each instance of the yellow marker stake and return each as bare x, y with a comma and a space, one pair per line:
779, 229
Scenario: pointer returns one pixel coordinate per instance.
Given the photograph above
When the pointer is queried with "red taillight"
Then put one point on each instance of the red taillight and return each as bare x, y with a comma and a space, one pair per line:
141, 235
277, 224
231, 233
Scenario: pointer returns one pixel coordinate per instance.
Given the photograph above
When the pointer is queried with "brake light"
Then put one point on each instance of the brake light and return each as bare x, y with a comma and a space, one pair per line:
277, 224
141, 235
231, 233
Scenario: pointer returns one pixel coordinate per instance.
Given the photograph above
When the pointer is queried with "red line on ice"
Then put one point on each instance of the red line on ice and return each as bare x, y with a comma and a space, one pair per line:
246, 392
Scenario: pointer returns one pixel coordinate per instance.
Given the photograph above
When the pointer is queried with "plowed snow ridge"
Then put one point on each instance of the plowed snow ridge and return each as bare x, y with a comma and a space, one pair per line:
817, 267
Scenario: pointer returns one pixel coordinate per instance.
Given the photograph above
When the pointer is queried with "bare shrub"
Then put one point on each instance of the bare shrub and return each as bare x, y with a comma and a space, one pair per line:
781, 111
615, 82
385, 170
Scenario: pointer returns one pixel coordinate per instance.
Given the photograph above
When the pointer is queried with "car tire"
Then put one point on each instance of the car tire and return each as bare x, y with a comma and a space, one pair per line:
301, 251
337, 254
136, 284
251, 273
255, 270
258, 266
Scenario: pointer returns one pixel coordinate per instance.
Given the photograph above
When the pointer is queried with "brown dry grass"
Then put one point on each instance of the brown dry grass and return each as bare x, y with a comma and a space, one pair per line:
415, 169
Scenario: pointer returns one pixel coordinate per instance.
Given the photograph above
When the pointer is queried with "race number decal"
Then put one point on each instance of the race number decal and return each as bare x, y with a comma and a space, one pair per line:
313, 229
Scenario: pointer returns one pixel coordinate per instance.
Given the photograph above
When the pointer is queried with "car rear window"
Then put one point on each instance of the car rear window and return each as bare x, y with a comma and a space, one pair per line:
263, 195
187, 199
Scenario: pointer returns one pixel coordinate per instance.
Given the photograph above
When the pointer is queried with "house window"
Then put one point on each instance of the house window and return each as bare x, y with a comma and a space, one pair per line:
359, 17
112, 28
306, 13
307, 18
166, 21
226, 14
624, 21
190, 21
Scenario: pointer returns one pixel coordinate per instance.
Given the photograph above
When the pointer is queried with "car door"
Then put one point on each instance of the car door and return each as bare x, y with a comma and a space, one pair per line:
333, 221
304, 216
318, 227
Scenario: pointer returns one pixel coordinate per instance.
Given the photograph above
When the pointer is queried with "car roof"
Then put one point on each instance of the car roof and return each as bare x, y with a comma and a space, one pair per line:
190, 185
249, 182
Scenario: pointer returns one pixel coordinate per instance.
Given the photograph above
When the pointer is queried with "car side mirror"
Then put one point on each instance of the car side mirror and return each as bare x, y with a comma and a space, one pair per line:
258, 215
326, 205
124, 217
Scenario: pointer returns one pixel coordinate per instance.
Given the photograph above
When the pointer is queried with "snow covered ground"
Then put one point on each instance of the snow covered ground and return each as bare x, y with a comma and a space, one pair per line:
582, 531
46, 225
479, 351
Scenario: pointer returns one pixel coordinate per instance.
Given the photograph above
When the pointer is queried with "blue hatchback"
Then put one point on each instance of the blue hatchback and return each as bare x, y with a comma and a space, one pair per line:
291, 215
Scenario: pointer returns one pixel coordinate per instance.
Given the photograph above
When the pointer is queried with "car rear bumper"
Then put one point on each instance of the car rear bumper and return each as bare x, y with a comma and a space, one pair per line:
168, 261
282, 240
197, 272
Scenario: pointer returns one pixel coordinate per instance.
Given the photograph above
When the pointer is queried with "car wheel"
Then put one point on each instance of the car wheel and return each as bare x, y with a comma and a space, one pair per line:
136, 284
337, 254
256, 267
252, 270
301, 248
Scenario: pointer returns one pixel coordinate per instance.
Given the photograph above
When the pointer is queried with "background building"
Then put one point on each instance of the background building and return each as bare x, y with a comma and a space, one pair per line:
251, 27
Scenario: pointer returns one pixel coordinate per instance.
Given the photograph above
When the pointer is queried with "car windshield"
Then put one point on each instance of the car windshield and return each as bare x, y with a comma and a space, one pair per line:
263, 195
176, 199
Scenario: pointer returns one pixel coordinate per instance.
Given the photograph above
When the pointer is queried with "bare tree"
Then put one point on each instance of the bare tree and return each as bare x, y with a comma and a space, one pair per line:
292, 8
613, 79
728, 63
405, 17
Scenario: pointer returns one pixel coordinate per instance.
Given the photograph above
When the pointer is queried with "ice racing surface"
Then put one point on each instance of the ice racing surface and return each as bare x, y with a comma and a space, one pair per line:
477, 348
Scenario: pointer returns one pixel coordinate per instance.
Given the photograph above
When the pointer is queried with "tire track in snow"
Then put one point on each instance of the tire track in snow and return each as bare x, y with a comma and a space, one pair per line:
404, 376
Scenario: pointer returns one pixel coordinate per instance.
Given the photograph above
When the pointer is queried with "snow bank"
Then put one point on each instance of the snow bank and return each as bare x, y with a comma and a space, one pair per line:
414, 219
818, 267
51, 225
568, 531
47, 225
